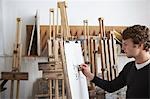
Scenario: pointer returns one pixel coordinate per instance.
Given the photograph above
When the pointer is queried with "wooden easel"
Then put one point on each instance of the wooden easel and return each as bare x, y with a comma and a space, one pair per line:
108, 53
56, 52
90, 52
53, 70
15, 74
105, 44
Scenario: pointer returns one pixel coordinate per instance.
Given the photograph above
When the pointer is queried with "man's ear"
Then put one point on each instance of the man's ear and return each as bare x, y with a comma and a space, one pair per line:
138, 45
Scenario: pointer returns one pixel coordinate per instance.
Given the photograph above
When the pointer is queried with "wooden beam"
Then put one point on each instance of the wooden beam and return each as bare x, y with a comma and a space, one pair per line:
53, 74
14, 75
46, 65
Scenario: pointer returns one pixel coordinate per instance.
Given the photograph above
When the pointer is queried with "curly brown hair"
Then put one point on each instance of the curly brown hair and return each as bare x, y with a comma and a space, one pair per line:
139, 35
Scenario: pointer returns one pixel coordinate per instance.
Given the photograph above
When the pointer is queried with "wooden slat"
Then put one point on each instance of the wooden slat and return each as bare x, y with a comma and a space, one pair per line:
46, 65
74, 30
93, 30
14, 75
53, 75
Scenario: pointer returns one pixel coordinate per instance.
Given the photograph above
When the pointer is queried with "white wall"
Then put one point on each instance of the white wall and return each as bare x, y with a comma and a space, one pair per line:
2, 60
148, 11
115, 12
1, 27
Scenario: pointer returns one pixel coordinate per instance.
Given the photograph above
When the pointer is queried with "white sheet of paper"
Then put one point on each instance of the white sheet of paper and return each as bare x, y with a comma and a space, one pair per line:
77, 80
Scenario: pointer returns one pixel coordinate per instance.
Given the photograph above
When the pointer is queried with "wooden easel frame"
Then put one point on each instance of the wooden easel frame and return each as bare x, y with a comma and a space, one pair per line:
15, 74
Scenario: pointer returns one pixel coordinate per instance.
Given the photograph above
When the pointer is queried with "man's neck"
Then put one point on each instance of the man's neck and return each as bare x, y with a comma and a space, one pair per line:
143, 57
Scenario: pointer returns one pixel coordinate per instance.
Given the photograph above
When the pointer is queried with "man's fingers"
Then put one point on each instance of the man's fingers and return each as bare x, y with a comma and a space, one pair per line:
83, 65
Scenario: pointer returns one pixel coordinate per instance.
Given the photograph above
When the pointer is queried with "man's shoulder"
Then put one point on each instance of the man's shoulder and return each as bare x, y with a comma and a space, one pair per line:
129, 65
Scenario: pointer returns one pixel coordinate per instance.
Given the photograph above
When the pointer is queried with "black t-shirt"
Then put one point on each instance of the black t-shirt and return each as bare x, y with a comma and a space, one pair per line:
137, 81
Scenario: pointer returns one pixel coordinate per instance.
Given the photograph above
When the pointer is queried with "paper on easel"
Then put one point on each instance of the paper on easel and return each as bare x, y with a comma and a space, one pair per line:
77, 80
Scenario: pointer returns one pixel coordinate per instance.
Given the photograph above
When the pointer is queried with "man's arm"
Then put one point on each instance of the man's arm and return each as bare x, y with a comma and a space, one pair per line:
109, 86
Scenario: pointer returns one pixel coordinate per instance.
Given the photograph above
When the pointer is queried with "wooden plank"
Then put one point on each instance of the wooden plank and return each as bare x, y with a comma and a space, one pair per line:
37, 24
14, 75
46, 65
52, 75
77, 29
64, 19
44, 44
34, 43
74, 30
31, 40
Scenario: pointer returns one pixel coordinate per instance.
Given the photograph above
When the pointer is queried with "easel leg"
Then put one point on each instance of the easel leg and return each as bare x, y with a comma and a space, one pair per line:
50, 89
56, 89
12, 89
17, 92
63, 89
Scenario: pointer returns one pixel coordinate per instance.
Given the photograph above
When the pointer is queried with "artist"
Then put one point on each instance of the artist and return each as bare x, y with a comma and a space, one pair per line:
135, 74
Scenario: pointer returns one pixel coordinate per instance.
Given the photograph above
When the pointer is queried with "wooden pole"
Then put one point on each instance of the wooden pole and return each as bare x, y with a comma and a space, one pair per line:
57, 23
54, 34
88, 41
63, 89
114, 55
92, 55
64, 21
50, 34
95, 55
85, 42
17, 93
12, 89
50, 49
109, 43
104, 53
18, 36
50, 88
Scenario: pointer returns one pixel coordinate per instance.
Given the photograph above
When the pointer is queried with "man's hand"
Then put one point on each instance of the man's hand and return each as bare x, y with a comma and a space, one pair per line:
86, 71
